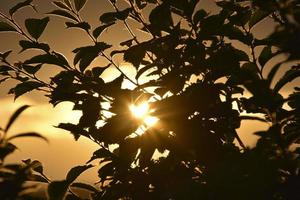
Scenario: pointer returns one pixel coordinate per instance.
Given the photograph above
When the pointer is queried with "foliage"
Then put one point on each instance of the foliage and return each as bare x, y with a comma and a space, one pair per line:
196, 131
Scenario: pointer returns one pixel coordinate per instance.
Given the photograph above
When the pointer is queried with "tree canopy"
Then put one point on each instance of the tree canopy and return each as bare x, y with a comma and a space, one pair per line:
198, 76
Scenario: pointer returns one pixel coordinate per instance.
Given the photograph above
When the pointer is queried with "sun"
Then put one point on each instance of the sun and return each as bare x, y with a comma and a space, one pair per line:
142, 111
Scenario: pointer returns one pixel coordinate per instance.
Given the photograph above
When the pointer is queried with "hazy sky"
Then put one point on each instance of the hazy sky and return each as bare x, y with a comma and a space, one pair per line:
62, 153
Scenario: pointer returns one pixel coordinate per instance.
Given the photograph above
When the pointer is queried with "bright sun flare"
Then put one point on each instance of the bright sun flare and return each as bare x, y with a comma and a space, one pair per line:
142, 111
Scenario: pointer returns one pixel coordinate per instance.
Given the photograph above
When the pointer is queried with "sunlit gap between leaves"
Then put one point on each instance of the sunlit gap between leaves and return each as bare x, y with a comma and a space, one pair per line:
142, 111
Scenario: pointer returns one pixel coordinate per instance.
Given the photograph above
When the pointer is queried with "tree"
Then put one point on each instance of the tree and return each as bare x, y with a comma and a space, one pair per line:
196, 120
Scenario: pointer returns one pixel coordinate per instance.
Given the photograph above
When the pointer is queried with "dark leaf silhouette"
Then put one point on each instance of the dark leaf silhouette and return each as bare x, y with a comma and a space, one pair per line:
33, 45
36, 27
19, 6
14, 117
6, 27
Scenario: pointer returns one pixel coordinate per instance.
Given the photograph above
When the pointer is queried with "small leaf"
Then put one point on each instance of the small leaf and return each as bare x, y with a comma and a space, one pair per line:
25, 44
25, 87
127, 43
257, 16
61, 5
19, 6
57, 190
4, 55
6, 150
63, 13
265, 56
272, 73
101, 153
97, 71
29, 134
108, 18
289, 76
85, 55
144, 69
82, 25
106, 170
6, 27
97, 32
79, 4
36, 27
32, 69
122, 15
54, 58
15, 116
75, 172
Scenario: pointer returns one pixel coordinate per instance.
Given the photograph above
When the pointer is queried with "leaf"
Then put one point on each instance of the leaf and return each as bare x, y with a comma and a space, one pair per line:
79, 4
272, 73
108, 18
265, 56
32, 69
101, 153
257, 16
63, 13
289, 76
97, 71
54, 58
61, 5
82, 25
6, 150
29, 134
97, 32
106, 170
6, 27
4, 55
15, 116
19, 6
25, 87
75, 172
25, 44
85, 55
135, 54
123, 14
85, 186
36, 27
57, 190
74, 129
160, 17
37, 166
143, 70
127, 43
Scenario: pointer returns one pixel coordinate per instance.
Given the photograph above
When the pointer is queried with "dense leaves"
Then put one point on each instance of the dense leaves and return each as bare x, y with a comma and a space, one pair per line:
198, 76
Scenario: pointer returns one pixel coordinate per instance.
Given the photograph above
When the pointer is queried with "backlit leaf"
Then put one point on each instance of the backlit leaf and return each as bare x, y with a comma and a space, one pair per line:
13, 118
19, 6
25, 44
75, 172
6, 27
97, 32
25, 87
36, 27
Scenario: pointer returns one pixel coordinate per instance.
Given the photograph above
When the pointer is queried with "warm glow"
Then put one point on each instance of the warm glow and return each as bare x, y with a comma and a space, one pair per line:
150, 121
142, 111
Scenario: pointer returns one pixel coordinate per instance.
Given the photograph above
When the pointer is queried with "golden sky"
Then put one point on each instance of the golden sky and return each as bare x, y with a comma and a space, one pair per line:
62, 152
